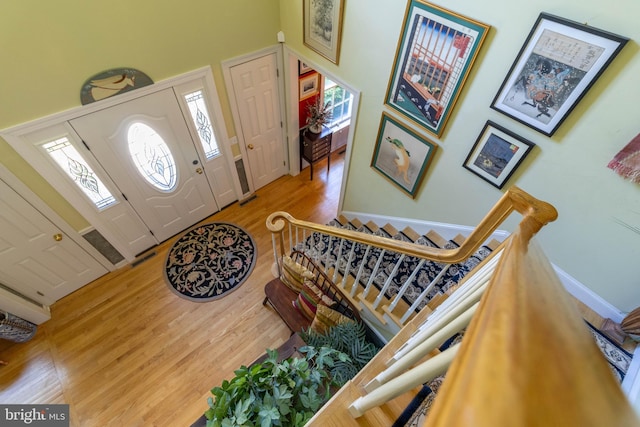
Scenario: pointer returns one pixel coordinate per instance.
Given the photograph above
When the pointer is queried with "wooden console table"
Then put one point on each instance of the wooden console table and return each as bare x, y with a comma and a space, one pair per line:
315, 147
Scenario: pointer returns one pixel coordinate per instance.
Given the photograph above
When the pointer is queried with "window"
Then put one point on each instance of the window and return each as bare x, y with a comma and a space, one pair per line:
340, 102
202, 121
73, 164
152, 156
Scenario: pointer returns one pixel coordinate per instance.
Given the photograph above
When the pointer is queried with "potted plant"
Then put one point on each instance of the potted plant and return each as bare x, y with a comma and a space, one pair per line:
286, 393
290, 392
317, 115
349, 338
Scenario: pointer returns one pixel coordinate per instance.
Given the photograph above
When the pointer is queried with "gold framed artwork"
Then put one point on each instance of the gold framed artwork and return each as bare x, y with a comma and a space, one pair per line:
402, 155
322, 27
435, 53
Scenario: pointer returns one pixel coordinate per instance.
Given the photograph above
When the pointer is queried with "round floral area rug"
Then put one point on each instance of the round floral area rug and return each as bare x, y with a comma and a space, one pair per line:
209, 261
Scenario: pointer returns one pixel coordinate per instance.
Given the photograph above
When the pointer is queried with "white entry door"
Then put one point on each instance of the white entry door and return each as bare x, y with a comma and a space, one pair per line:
255, 86
36, 258
145, 147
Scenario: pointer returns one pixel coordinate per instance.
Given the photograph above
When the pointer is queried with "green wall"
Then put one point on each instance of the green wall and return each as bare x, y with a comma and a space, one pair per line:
50, 49
569, 169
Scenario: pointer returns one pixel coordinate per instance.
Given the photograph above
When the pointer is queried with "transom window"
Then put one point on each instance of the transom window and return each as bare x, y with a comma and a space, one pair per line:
339, 101
73, 164
202, 121
152, 156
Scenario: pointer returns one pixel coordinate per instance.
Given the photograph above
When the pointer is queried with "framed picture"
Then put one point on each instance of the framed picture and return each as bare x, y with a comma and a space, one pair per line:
558, 63
496, 154
303, 68
308, 86
322, 27
435, 53
401, 155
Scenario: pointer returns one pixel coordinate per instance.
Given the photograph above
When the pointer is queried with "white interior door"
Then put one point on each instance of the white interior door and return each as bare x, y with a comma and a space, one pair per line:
36, 258
145, 147
255, 86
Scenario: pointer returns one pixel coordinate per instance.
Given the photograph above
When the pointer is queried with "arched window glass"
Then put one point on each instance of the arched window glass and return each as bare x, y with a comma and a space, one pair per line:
152, 156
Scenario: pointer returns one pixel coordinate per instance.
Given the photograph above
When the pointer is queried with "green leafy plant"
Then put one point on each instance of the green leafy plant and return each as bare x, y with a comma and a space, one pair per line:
273, 393
349, 338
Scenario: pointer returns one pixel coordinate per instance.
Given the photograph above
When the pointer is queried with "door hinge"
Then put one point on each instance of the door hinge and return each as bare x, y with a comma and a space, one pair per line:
277, 72
124, 197
85, 145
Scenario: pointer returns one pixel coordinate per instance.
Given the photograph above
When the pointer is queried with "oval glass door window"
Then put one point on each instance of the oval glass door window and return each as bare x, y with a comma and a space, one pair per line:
152, 156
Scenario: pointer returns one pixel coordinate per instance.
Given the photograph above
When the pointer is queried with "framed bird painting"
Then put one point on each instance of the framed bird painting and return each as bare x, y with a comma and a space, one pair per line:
112, 82
401, 155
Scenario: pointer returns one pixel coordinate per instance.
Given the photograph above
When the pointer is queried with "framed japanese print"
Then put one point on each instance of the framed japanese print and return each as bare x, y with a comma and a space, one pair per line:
558, 63
402, 155
435, 53
496, 154
322, 27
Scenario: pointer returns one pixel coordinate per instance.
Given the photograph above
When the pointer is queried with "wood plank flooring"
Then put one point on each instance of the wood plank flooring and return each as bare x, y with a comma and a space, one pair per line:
126, 351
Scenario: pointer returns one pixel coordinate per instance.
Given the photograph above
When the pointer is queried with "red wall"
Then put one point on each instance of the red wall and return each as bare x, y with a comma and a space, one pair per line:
302, 105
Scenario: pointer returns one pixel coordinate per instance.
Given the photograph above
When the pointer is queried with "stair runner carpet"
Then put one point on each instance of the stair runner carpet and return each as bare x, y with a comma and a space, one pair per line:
316, 245
416, 412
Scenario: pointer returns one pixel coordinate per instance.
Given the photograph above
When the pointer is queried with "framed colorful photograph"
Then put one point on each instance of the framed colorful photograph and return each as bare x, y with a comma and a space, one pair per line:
322, 27
308, 86
496, 154
558, 63
402, 155
435, 53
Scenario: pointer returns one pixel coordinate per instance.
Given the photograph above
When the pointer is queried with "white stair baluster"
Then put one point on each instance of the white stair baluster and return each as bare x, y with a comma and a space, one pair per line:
422, 373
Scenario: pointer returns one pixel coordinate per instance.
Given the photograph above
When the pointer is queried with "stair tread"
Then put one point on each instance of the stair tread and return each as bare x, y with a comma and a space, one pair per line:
411, 234
390, 230
355, 222
437, 239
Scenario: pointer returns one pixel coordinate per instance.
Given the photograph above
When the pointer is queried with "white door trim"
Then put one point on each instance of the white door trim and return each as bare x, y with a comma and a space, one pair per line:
293, 126
226, 71
14, 135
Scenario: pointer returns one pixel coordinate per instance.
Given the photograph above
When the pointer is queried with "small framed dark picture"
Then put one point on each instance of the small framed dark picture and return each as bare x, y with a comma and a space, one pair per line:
304, 68
496, 154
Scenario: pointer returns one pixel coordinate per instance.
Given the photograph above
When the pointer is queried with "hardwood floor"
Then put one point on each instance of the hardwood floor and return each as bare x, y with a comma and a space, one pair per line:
126, 351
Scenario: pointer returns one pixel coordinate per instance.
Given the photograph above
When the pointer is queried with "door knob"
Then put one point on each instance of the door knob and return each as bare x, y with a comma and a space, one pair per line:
199, 171
250, 146
57, 237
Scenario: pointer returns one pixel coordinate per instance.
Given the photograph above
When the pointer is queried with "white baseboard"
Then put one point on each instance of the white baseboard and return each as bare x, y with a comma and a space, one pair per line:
14, 303
447, 231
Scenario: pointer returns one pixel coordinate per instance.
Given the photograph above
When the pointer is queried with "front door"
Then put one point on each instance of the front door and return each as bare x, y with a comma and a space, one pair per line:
145, 147
255, 86
36, 258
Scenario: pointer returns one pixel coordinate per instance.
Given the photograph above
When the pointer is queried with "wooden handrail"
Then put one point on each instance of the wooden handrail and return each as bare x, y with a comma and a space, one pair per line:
527, 358
536, 214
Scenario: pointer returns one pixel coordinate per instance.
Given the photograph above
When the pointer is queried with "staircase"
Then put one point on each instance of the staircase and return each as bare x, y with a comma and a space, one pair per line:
389, 287
418, 291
